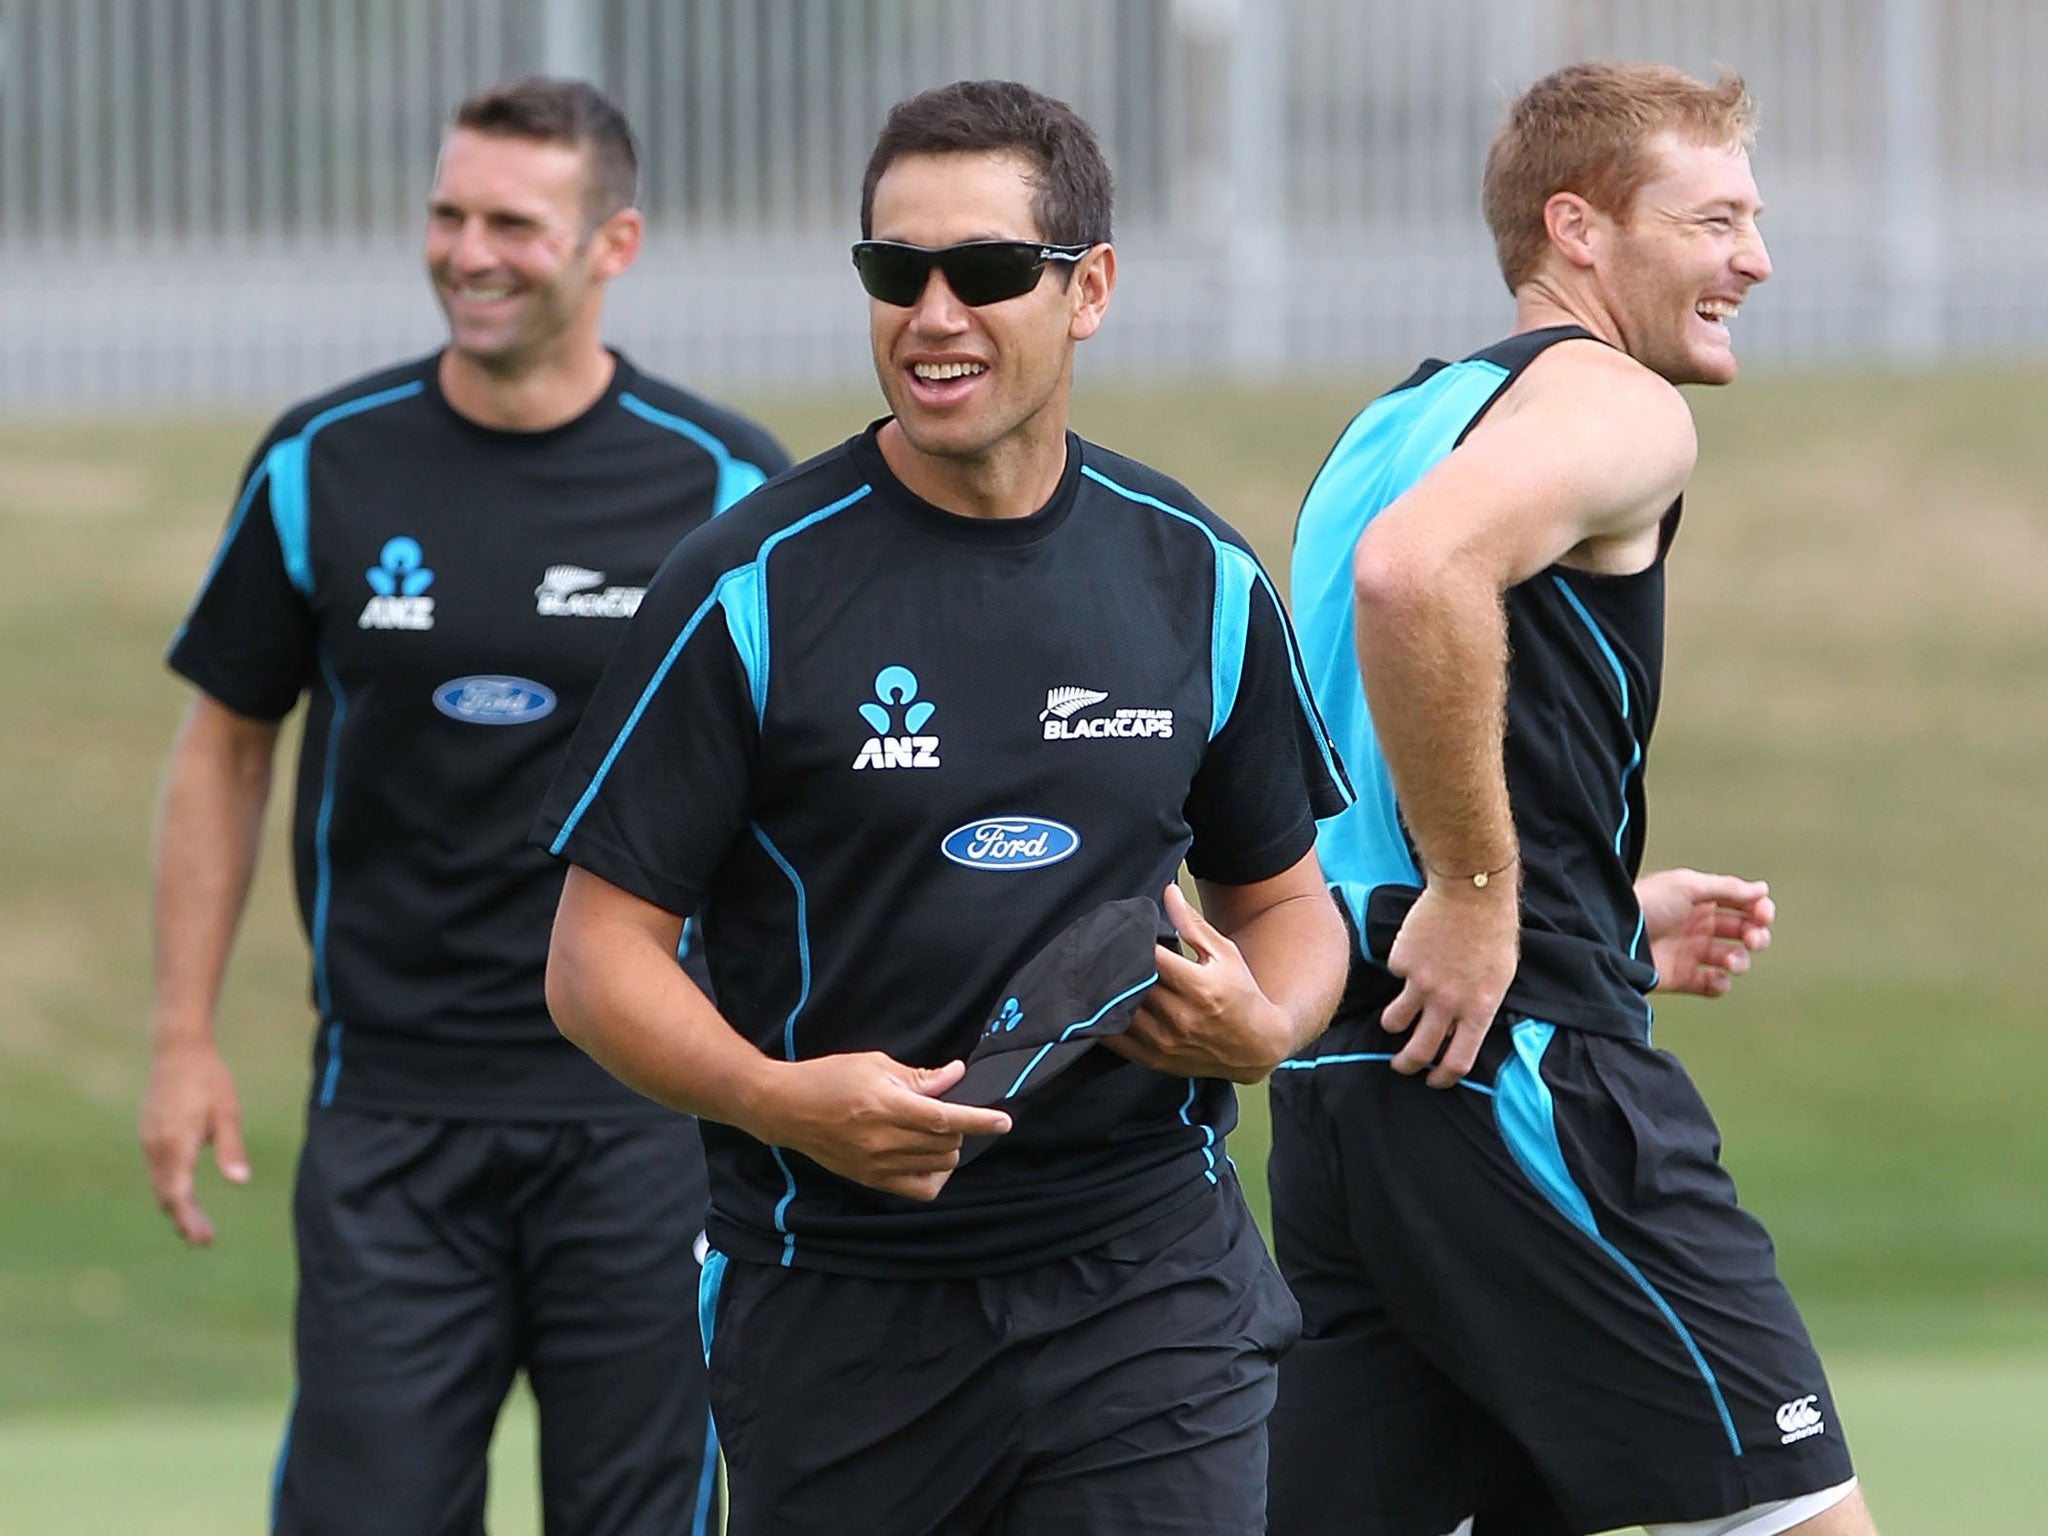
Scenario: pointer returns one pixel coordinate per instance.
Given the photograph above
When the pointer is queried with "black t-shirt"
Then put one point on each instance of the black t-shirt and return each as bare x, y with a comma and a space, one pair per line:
446, 595
885, 752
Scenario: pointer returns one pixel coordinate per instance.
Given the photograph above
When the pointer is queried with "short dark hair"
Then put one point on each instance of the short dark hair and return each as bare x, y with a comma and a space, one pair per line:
1072, 194
571, 112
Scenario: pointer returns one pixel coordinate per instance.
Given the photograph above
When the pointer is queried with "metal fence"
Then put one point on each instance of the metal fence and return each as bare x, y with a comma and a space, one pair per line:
210, 203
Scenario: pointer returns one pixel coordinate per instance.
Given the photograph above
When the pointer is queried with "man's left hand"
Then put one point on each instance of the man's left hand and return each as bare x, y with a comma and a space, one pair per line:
1206, 1016
1703, 929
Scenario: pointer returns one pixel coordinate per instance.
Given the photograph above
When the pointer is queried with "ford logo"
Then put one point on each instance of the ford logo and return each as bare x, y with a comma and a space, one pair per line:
494, 700
1010, 842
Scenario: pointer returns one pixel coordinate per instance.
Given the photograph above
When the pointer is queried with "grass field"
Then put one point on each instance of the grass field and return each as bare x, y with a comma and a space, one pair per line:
1854, 711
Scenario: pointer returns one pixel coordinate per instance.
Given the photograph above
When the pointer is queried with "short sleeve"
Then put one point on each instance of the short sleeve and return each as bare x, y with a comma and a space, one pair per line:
249, 638
1271, 771
658, 778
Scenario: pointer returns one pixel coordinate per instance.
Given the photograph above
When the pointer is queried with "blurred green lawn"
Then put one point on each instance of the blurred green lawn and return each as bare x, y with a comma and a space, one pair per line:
1854, 711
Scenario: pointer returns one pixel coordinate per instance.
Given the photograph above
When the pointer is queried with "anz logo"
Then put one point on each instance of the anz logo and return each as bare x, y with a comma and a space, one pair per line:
894, 746
1010, 842
1007, 1020
400, 580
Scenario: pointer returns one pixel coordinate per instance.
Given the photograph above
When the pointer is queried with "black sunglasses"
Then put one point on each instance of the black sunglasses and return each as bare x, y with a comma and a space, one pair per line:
979, 271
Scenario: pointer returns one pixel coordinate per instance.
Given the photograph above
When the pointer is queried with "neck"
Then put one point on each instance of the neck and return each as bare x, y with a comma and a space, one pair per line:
1014, 478
527, 397
1542, 302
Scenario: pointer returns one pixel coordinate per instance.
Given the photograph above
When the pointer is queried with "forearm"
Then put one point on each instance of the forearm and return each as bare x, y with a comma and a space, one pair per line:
1433, 655
1298, 953
209, 829
616, 991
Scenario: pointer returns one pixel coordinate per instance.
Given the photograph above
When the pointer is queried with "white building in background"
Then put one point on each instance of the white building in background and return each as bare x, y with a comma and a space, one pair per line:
216, 203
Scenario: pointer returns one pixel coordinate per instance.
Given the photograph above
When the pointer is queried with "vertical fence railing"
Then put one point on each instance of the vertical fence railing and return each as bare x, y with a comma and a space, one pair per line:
210, 202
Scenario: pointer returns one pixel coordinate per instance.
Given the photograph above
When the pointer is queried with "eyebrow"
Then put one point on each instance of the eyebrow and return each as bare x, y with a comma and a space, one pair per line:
440, 205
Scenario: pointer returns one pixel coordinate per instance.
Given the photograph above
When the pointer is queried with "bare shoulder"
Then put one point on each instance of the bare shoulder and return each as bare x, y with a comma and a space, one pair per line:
1616, 438
1599, 398
1577, 462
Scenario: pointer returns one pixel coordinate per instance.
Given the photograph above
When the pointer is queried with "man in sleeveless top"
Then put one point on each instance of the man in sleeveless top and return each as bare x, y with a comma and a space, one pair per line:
1531, 1302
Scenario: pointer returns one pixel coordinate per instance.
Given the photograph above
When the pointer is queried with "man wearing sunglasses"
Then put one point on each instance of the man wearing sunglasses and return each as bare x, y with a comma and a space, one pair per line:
889, 727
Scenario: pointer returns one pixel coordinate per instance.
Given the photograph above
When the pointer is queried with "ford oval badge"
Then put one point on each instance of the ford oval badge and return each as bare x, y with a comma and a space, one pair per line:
495, 700
1010, 842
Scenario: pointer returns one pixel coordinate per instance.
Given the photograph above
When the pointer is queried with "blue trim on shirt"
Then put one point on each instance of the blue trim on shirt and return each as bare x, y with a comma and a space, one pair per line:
750, 641
736, 477
1353, 1058
1208, 1132
323, 861
1635, 761
289, 500
803, 952
752, 581
1526, 1115
803, 938
227, 542
1236, 574
741, 594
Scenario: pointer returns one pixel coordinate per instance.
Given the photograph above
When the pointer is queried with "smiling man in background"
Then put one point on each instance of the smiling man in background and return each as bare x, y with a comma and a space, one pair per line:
855, 726
1531, 1303
440, 556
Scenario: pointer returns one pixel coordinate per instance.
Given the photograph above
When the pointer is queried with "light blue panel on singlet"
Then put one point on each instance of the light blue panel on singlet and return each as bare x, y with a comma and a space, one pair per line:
1386, 449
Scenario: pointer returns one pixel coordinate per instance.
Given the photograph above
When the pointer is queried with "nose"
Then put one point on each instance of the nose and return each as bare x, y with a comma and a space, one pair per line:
469, 250
938, 310
1753, 261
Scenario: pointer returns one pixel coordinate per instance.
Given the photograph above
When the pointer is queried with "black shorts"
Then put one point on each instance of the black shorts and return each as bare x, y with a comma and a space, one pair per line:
1124, 1389
437, 1259
1532, 1296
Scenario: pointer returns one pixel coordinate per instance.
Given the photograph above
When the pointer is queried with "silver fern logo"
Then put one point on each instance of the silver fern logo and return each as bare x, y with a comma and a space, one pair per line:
566, 592
1062, 705
1064, 702
561, 580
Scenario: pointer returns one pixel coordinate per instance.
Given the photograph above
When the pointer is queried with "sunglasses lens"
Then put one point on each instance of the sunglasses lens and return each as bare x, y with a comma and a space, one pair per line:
980, 272
895, 274
989, 273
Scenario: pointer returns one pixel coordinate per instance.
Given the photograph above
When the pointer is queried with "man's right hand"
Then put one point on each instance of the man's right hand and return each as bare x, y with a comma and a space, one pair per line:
871, 1119
1456, 952
190, 1101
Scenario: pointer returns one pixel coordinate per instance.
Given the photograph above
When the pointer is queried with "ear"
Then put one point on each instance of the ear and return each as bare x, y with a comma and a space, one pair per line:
1576, 228
1088, 293
615, 242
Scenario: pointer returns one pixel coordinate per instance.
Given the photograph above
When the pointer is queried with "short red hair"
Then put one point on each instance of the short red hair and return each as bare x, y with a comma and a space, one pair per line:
1586, 129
